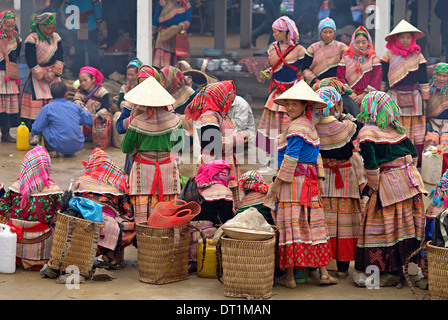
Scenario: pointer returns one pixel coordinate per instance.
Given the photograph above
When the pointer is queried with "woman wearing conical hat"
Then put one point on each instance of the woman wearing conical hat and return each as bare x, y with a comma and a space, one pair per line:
437, 108
344, 176
405, 79
360, 68
295, 195
393, 224
154, 138
44, 57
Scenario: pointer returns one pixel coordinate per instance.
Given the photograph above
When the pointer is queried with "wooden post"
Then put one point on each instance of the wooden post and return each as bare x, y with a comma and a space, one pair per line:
435, 40
144, 31
220, 24
245, 23
423, 24
399, 11
382, 25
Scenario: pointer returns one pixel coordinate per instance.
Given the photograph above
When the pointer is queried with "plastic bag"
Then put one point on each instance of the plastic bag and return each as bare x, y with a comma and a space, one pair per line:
249, 219
89, 209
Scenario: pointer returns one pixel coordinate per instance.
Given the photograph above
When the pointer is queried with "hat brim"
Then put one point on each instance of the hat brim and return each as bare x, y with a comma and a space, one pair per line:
301, 91
150, 93
404, 27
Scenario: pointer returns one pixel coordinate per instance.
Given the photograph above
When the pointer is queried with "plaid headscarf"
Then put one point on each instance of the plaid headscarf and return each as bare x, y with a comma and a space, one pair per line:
102, 168
286, 24
173, 79
217, 171
354, 53
335, 83
439, 194
331, 97
380, 109
326, 23
147, 71
440, 67
252, 180
34, 173
39, 21
214, 96
6, 15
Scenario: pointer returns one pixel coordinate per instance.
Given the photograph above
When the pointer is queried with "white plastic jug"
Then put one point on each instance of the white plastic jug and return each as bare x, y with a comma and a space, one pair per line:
8, 243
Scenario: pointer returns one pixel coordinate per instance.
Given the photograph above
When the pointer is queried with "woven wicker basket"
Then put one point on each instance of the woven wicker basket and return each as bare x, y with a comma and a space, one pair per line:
248, 267
75, 243
437, 271
162, 253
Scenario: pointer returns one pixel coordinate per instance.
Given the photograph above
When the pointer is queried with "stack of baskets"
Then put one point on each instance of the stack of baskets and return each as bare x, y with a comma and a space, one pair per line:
248, 263
75, 243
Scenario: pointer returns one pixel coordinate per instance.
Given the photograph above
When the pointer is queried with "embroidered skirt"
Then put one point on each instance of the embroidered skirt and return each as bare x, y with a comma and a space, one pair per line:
303, 235
390, 234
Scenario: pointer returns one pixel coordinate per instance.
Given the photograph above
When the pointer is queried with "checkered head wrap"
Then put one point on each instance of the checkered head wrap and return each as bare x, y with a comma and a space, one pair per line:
173, 79
286, 24
102, 168
252, 180
331, 97
214, 96
334, 82
440, 67
380, 109
34, 173
39, 21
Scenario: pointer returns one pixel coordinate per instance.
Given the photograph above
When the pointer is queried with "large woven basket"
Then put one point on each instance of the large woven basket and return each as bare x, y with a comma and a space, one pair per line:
437, 271
75, 243
162, 253
248, 267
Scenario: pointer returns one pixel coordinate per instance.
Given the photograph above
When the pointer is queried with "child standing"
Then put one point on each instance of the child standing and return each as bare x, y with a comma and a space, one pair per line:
296, 192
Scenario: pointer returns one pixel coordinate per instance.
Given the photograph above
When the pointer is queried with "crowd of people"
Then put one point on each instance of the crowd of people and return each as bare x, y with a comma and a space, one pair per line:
349, 126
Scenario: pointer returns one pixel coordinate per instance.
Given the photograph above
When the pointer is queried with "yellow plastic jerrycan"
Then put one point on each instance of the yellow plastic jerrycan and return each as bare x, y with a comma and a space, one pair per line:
210, 261
23, 136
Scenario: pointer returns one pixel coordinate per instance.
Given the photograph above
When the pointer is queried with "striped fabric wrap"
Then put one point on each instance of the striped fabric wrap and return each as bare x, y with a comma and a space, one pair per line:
11, 45
172, 8
391, 225
8, 88
372, 133
334, 134
94, 103
217, 192
302, 127
86, 183
399, 68
349, 172
33, 254
437, 103
415, 128
353, 77
273, 123
399, 180
324, 57
142, 175
45, 50
291, 192
252, 198
160, 123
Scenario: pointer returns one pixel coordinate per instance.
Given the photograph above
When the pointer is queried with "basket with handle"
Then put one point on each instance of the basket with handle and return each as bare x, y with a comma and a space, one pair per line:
75, 243
162, 253
437, 271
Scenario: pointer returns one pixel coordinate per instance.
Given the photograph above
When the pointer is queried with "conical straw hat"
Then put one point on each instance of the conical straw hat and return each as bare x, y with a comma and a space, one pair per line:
405, 26
300, 91
150, 93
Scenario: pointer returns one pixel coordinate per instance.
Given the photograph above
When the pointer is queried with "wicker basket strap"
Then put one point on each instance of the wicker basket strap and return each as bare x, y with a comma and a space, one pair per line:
43, 237
173, 255
406, 270
68, 240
